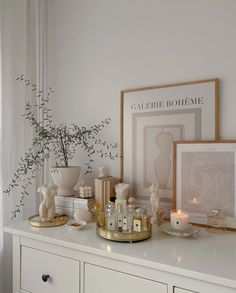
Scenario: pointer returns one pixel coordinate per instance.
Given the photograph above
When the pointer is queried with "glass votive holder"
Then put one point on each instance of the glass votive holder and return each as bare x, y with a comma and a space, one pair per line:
216, 221
179, 220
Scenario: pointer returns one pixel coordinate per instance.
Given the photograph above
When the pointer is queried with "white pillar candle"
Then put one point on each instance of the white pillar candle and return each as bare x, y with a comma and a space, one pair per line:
179, 220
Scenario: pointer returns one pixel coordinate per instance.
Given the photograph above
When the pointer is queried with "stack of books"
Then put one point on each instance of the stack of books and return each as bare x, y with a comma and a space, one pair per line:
83, 203
104, 189
69, 204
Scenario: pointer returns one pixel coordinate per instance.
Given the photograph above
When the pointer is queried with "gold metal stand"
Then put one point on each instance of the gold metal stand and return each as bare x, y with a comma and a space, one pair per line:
120, 236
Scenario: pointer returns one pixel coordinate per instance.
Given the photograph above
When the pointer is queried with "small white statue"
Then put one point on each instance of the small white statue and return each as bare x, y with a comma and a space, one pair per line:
157, 210
154, 198
47, 206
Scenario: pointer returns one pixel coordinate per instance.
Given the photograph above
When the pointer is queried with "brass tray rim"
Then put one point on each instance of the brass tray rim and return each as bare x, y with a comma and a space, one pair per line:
62, 220
124, 237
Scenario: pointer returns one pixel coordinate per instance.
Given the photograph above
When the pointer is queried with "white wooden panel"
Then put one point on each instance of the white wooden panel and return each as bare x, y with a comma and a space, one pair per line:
98, 279
16, 263
63, 272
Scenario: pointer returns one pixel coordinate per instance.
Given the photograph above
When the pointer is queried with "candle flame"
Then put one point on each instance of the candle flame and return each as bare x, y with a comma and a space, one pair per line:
108, 248
179, 259
179, 212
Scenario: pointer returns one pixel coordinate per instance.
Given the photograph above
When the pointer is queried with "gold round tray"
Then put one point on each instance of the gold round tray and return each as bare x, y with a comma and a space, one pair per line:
124, 237
58, 220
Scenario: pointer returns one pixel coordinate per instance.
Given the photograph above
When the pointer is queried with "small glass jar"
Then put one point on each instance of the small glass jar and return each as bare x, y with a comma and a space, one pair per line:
216, 221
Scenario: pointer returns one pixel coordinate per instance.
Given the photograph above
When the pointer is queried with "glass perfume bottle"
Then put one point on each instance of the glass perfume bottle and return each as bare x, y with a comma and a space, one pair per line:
137, 220
144, 220
125, 224
110, 216
125, 220
119, 217
129, 215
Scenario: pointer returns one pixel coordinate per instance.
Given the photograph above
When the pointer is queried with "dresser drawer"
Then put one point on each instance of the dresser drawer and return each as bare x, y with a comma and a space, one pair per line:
102, 280
180, 290
61, 274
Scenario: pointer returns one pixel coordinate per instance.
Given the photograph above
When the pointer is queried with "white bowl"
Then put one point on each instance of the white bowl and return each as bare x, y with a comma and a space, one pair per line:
76, 225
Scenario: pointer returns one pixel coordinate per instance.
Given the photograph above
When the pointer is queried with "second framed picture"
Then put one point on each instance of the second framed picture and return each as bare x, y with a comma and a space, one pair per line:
151, 119
205, 179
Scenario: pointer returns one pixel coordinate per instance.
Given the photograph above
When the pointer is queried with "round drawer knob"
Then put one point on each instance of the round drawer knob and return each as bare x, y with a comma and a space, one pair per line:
45, 277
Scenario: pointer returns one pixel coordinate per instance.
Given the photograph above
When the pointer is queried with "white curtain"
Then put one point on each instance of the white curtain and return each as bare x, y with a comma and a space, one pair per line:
1, 207
18, 55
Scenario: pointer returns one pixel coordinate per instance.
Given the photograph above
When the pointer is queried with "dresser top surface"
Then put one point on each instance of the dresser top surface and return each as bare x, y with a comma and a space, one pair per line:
209, 255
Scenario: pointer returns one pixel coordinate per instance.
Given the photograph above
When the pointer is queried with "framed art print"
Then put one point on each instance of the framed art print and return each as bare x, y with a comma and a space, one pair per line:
205, 179
151, 119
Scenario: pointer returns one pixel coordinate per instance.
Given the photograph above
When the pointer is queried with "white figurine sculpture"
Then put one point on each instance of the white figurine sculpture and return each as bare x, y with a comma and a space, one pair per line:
47, 206
157, 211
154, 198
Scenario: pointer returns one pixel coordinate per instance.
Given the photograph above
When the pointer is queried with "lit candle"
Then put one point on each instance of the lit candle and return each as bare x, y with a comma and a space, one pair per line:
179, 220
195, 201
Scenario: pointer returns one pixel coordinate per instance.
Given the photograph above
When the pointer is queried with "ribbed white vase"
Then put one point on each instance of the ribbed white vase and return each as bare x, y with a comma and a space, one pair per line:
65, 178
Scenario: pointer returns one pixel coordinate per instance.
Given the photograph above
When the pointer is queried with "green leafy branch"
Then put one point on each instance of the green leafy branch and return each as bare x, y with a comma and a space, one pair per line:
51, 140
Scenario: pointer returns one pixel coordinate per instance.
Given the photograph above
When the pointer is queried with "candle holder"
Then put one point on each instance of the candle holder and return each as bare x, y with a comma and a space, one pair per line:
191, 231
179, 220
216, 221
179, 225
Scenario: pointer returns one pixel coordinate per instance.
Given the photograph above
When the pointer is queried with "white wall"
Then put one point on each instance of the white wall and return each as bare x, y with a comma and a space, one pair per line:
98, 47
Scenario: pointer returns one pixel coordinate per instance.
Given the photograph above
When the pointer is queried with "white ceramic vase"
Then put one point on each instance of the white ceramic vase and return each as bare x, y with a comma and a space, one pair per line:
65, 178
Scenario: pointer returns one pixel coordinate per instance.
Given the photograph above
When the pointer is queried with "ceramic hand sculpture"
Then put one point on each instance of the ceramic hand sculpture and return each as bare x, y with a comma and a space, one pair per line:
157, 211
122, 190
47, 206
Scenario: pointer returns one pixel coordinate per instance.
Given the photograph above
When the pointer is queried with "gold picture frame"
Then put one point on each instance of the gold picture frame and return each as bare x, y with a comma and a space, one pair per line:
189, 110
204, 176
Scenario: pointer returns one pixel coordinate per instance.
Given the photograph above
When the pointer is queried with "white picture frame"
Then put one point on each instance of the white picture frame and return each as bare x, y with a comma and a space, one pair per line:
205, 179
151, 119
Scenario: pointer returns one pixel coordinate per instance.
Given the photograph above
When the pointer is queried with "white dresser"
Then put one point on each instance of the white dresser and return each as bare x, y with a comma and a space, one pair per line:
58, 260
